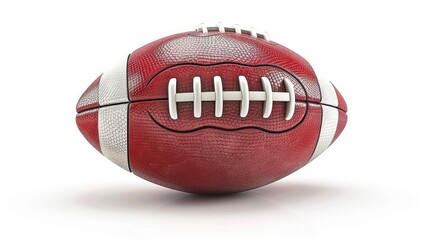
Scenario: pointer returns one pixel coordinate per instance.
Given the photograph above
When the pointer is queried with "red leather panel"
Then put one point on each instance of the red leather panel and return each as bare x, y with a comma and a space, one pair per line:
87, 122
89, 98
211, 160
343, 119
341, 102
214, 48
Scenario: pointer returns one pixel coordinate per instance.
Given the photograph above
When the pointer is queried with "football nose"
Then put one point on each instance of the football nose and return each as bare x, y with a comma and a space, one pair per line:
89, 98
334, 117
341, 104
330, 96
109, 88
102, 113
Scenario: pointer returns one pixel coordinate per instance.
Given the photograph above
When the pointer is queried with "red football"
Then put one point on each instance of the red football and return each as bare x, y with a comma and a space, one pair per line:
216, 110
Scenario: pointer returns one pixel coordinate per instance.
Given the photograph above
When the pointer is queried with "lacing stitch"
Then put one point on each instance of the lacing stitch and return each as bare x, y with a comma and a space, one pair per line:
219, 96
219, 27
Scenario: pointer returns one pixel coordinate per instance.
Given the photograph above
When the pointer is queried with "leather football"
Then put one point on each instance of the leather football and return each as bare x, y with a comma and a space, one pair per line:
215, 110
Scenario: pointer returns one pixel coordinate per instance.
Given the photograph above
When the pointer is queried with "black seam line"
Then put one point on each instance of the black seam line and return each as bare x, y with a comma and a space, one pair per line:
249, 127
120, 103
325, 104
230, 129
166, 99
127, 137
127, 116
144, 100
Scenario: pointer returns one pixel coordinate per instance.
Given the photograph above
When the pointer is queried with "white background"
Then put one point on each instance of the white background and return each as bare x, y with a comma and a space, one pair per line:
371, 184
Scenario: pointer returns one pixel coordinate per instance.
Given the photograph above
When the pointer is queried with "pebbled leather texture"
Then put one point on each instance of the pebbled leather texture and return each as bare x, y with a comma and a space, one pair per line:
89, 98
87, 122
343, 119
217, 161
211, 154
341, 102
113, 133
229, 73
214, 48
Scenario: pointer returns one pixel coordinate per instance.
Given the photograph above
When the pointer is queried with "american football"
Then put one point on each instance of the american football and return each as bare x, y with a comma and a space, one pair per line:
215, 110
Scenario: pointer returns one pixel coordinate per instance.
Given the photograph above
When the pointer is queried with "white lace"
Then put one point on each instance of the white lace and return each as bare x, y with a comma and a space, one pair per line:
219, 96
219, 27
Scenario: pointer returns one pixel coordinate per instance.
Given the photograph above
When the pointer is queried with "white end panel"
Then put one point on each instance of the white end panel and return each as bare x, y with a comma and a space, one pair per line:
113, 133
328, 94
330, 118
114, 84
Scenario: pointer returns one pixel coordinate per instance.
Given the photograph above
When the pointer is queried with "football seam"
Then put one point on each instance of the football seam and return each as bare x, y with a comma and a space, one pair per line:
166, 99
229, 129
226, 63
240, 128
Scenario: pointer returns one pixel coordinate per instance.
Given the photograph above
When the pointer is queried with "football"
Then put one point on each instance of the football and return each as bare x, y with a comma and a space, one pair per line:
215, 110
